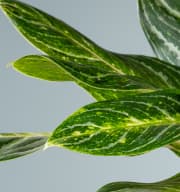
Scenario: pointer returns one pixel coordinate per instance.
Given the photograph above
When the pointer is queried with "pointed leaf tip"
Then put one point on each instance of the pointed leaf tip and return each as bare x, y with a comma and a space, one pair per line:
41, 67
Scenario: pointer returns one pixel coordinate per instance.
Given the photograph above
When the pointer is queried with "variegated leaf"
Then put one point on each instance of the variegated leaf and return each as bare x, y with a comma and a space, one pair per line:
156, 72
69, 48
169, 185
13, 145
128, 126
104, 84
58, 39
94, 68
91, 66
160, 20
100, 83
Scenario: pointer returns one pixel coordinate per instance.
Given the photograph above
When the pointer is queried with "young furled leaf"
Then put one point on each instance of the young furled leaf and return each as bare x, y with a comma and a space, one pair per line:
130, 126
160, 20
13, 145
169, 185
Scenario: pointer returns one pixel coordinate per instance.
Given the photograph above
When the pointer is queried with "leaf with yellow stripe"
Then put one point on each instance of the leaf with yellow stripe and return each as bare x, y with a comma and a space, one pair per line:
104, 84
104, 74
57, 39
132, 125
99, 83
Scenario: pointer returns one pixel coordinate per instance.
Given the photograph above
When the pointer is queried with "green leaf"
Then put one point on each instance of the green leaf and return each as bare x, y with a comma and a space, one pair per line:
104, 74
170, 185
13, 145
95, 69
158, 73
104, 84
154, 71
161, 23
100, 83
58, 39
130, 126
41, 67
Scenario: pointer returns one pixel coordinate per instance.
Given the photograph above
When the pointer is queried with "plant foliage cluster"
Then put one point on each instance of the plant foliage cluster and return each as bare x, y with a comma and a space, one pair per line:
137, 106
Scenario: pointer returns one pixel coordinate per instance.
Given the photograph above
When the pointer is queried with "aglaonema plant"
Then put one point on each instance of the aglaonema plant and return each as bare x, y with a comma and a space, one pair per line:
138, 97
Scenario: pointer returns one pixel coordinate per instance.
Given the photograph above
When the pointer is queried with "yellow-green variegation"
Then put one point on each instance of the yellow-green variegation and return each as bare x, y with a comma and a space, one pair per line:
130, 126
139, 108
103, 74
103, 84
99, 83
57, 39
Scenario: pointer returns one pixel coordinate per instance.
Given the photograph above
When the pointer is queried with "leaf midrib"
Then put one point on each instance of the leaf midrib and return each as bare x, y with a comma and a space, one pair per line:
129, 127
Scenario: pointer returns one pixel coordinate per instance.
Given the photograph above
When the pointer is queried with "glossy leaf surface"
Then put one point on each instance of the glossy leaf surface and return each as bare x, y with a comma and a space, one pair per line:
154, 71
161, 23
169, 185
104, 74
41, 67
103, 84
128, 126
58, 39
94, 68
13, 145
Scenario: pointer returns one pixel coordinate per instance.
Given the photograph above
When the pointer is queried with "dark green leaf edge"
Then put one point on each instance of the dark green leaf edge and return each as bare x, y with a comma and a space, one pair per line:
169, 185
